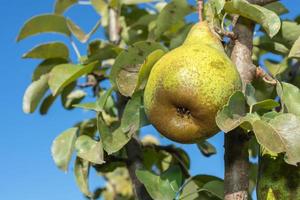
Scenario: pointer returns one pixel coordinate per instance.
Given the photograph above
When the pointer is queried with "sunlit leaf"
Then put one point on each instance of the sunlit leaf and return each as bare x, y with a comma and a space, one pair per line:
267, 18
129, 2
267, 44
34, 93
288, 34
79, 33
44, 24
61, 75
161, 187
277, 7
89, 149
81, 171
290, 97
62, 148
73, 98
48, 50
101, 7
62, 5
218, 5
295, 51
46, 66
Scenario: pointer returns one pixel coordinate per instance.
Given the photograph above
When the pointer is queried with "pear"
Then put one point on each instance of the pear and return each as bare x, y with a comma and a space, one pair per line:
188, 86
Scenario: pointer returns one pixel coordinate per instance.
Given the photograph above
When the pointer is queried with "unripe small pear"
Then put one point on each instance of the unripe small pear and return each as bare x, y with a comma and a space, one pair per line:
188, 86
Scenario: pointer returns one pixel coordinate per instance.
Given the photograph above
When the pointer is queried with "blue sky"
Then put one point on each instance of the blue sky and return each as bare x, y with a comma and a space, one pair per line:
27, 171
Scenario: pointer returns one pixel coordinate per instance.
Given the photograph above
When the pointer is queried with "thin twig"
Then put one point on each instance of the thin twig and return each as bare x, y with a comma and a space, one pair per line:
84, 2
200, 10
260, 72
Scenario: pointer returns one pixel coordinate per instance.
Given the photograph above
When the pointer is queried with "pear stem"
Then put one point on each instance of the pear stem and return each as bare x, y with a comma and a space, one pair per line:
200, 10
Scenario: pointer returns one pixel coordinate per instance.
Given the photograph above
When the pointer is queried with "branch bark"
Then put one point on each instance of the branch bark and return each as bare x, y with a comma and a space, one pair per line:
133, 148
236, 156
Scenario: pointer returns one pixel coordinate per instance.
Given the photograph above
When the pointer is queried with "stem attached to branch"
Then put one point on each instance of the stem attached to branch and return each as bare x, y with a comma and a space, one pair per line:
200, 10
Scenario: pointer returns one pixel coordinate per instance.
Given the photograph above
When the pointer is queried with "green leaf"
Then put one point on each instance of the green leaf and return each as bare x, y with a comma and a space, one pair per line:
81, 171
46, 104
80, 34
62, 5
202, 187
291, 98
295, 51
218, 5
161, 187
89, 149
267, 104
127, 64
146, 68
44, 24
277, 7
276, 68
171, 14
87, 106
34, 93
48, 50
130, 2
288, 34
267, 18
101, 102
114, 141
267, 44
206, 148
73, 98
101, 8
64, 74
46, 66
62, 148
284, 130
180, 37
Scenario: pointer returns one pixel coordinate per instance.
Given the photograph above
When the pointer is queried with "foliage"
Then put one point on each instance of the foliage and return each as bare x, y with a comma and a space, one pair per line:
150, 28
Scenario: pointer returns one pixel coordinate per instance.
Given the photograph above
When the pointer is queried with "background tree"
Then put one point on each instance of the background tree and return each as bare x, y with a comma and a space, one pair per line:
263, 119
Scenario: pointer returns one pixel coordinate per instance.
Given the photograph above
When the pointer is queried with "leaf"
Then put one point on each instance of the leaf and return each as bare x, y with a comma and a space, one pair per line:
288, 34
101, 8
46, 66
62, 148
130, 2
277, 7
81, 171
161, 187
180, 37
194, 189
114, 141
206, 148
34, 93
267, 44
232, 114
64, 74
267, 104
295, 51
47, 102
44, 24
87, 106
171, 14
48, 50
89, 149
73, 98
146, 68
78, 33
218, 5
127, 64
284, 130
101, 102
62, 5
290, 97
267, 18
276, 68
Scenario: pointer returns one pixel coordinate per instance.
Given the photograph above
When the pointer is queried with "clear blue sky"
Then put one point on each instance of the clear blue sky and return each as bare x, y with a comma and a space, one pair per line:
27, 171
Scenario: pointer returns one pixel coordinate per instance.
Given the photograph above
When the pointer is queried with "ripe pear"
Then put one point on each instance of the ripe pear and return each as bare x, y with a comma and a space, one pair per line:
188, 86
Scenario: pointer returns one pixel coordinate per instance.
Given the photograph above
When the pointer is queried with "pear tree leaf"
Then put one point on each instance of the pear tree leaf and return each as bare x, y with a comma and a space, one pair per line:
34, 93
101, 7
180, 37
288, 34
276, 68
267, 18
277, 7
46, 104
171, 14
114, 141
62, 148
290, 97
101, 102
206, 148
62, 5
218, 5
284, 130
64, 74
131, 2
73, 98
267, 104
79, 33
250, 94
127, 64
48, 50
164, 186
81, 171
146, 67
87, 106
267, 44
46, 66
295, 51
89, 149
44, 24
202, 187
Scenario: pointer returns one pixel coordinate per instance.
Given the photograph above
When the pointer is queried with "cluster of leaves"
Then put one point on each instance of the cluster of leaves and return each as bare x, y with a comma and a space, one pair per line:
149, 29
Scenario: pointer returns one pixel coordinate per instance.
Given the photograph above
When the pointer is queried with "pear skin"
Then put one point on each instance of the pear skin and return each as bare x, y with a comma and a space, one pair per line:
188, 86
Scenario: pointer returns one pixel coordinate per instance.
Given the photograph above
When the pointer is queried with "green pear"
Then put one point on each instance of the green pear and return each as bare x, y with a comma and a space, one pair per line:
188, 86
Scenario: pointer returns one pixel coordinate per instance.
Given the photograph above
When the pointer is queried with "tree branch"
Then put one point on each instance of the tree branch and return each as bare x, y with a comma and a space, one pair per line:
133, 148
